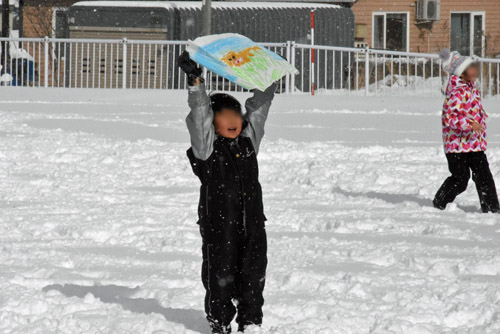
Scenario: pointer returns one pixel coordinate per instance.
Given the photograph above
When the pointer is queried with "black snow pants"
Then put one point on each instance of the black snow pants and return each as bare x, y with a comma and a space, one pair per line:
233, 272
460, 165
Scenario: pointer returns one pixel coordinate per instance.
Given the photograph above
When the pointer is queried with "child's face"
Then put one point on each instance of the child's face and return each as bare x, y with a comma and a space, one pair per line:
471, 73
228, 123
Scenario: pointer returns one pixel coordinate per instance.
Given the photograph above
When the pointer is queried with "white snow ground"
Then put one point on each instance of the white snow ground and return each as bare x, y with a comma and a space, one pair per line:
98, 211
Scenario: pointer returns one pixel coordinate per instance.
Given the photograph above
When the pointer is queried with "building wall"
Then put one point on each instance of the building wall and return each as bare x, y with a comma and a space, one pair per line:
432, 37
37, 22
38, 16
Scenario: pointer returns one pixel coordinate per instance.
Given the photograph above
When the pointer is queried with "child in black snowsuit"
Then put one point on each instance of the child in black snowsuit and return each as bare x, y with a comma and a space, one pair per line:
223, 154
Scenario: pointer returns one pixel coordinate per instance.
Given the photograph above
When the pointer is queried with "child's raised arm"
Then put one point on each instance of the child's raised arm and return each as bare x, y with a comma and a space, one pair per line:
200, 119
257, 110
200, 122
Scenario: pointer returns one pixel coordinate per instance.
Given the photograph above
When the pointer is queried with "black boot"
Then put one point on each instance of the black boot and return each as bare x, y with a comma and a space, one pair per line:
438, 205
243, 327
219, 329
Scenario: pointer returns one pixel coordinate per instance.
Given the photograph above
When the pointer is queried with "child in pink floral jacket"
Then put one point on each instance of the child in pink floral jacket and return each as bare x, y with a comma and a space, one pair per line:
464, 135
462, 109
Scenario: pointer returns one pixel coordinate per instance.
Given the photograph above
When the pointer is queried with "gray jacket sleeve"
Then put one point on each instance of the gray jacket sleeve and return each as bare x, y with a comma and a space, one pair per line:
200, 122
257, 110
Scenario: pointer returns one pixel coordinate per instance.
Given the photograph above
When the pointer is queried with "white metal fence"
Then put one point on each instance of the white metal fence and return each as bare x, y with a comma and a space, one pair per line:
134, 64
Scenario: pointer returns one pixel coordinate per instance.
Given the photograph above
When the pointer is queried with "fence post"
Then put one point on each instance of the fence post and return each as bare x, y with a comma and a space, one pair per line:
313, 55
292, 57
490, 81
287, 80
482, 78
124, 63
367, 71
46, 62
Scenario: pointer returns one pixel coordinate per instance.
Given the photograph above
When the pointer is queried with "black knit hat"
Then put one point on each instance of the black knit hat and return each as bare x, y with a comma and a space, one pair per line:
221, 101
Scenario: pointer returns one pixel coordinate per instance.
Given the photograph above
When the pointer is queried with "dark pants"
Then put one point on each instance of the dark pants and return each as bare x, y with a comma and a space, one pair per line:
460, 165
234, 269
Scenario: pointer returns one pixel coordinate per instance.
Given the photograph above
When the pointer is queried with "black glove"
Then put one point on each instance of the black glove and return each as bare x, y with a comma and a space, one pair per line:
190, 67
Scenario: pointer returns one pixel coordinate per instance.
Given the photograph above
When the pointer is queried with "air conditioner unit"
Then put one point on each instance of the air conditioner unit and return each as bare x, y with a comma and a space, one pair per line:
428, 10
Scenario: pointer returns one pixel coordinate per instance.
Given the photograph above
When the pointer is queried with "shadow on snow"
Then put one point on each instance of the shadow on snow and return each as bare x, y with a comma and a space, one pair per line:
399, 199
191, 319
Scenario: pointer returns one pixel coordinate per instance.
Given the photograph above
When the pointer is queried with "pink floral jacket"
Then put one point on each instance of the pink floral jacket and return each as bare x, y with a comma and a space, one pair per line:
461, 107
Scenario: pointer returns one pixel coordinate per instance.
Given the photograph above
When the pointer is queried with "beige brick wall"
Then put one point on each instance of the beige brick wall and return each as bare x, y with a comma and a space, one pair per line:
38, 16
424, 40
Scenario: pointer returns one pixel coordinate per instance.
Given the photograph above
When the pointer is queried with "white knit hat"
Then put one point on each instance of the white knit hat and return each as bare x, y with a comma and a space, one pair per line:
454, 63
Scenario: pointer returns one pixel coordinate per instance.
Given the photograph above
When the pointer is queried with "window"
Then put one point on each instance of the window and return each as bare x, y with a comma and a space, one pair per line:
60, 29
390, 31
467, 33
60, 22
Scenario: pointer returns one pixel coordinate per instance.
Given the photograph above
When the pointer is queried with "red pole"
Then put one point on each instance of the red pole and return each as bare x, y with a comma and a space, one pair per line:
312, 52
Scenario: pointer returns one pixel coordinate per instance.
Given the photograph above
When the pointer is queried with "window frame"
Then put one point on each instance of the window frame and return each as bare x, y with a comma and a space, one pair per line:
471, 32
384, 13
56, 9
